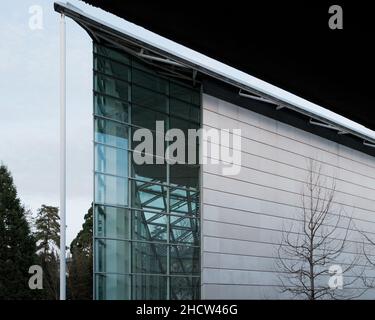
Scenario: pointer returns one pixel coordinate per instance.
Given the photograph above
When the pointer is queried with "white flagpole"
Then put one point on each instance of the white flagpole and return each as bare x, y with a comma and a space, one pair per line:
62, 158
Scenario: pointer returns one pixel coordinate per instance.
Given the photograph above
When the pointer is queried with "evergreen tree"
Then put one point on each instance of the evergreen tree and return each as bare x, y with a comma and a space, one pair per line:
17, 244
48, 238
80, 265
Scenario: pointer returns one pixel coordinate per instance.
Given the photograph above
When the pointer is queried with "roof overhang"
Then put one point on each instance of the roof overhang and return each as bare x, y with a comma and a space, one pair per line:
126, 34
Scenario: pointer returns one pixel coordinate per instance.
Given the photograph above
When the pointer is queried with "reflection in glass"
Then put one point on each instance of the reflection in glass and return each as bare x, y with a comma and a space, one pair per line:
113, 87
111, 190
184, 230
110, 108
148, 196
111, 160
146, 222
184, 202
112, 287
113, 256
146, 287
185, 260
185, 288
111, 133
149, 257
149, 226
112, 222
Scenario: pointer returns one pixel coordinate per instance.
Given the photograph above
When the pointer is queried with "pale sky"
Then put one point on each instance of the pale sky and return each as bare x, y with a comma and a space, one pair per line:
29, 109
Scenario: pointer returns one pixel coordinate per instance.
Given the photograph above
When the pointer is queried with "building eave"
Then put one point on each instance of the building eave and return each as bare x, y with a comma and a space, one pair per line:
125, 31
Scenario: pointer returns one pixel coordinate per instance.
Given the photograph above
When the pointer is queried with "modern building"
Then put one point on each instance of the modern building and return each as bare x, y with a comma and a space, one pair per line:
187, 230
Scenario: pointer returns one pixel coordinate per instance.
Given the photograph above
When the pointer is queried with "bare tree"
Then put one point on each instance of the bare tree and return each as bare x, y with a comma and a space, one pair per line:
367, 247
316, 241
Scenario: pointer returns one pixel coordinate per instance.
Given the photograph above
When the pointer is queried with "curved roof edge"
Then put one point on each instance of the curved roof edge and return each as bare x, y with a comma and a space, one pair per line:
206, 65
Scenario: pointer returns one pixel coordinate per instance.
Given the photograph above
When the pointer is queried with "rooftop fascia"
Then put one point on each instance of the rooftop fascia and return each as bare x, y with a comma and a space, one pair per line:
128, 31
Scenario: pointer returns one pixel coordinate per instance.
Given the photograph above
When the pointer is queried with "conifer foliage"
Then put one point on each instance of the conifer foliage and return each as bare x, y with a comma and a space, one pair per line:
17, 244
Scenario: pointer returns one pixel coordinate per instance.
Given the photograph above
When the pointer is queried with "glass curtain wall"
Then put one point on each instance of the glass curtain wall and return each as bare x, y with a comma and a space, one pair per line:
147, 232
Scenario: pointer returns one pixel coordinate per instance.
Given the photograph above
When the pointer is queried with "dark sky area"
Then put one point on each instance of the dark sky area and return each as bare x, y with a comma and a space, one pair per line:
288, 44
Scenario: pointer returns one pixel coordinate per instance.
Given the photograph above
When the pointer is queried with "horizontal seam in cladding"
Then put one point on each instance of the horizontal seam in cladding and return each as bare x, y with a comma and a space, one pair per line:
291, 178
301, 168
280, 203
260, 128
269, 243
255, 256
279, 230
278, 189
292, 152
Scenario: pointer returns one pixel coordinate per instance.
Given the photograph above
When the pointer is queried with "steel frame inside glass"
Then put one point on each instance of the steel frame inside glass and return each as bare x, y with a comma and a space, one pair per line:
146, 217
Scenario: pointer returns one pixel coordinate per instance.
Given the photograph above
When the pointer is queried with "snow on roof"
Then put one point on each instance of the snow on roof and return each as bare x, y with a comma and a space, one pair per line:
217, 69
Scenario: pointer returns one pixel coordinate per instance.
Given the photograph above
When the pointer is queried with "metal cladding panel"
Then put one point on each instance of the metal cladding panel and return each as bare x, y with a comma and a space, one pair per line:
243, 215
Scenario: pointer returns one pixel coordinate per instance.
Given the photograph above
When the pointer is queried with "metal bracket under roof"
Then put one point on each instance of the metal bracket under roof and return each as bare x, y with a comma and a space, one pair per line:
144, 55
326, 125
368, 144
258, 98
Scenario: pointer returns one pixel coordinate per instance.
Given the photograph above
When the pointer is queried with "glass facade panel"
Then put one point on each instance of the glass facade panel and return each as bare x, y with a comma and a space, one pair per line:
184, 230
146, 221
147, 196
150, 226
105, 85
185, 288
184, 202
150, 81
111, 54
111, 190
149, 287
185, 260
113, 256
109, 107
150, 99
149, 257
111, 160
112, 68
184, 93
112, 222
111, 133
112, 286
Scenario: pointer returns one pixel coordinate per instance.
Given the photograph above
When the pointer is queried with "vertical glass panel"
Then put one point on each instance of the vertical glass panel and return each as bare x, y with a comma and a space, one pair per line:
146, 142
149, 99
148, 257
112, 68
111, 108
184, 93
112, 133
184, 110
112, 222
111, 190
147, 287
137, 251
149, 226
185, 260
183, 125
184, 230
146, 118
112, 287
149, 197
112, 53
150, 81
184, 176
155, 173
185, 288
111, 160
113, 256
110, 86
184, 202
